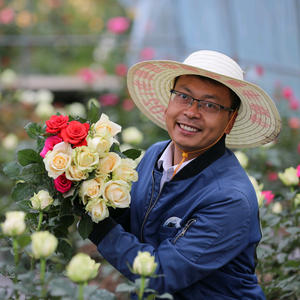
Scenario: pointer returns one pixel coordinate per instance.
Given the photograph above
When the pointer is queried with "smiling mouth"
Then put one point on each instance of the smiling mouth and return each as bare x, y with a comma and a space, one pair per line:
188, 128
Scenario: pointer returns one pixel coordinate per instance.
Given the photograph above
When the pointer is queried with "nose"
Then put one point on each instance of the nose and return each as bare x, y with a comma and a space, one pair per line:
193, 111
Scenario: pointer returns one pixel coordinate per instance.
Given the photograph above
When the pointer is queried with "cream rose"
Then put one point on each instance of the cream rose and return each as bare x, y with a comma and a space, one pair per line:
117, 193
100, 144
97, 209
58, 160
104, 126
14, 224
41, 200
43, 244
144, 264
91, 189
125, 171
132, 135
85, 159
75, 174
108, 163
82, 268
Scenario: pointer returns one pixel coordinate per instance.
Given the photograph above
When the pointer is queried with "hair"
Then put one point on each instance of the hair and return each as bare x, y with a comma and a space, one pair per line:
235, 100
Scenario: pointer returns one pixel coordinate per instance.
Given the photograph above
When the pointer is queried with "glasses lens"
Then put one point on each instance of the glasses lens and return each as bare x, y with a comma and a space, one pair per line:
181, 99
184, 101
209, 107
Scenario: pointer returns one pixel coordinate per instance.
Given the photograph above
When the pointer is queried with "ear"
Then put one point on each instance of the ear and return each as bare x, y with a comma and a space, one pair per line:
232, 121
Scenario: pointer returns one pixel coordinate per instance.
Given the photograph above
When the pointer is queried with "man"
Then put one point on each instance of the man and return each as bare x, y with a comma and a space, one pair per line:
193, 206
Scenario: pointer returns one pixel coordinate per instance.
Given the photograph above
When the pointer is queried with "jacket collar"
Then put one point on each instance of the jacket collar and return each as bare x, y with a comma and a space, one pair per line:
201, 162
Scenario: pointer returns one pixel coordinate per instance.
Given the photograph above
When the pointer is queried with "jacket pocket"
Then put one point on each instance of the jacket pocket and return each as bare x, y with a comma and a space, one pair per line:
184, 230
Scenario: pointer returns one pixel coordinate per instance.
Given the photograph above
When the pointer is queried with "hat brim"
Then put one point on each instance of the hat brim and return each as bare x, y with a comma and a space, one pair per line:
258, 121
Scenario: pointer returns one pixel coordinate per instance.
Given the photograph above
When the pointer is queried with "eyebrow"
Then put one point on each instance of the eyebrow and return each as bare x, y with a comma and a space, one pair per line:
205, 96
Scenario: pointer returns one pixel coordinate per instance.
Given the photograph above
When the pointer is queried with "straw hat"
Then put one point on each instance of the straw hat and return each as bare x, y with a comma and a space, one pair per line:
258, 121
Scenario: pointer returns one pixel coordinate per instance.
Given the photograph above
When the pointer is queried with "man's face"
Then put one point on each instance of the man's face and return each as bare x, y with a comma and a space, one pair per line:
190, 128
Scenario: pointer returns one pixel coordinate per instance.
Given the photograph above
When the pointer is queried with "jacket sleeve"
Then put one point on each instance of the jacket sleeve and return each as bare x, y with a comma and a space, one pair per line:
213, 236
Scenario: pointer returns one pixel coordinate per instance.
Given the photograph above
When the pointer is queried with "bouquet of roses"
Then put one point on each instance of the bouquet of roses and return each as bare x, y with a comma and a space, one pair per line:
78, 165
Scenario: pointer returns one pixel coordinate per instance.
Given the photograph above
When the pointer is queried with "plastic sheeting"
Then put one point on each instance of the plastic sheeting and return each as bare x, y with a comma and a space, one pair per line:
263, 33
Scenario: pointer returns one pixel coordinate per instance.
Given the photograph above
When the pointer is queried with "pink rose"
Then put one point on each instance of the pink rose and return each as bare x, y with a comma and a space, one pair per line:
7, 15
298, 171
109, 99
298, 148
50, 142
273, 176
147, 53
294, 123
118, 25
268, 196
294, 103
128, 105
287, 92
121, 69
62, 184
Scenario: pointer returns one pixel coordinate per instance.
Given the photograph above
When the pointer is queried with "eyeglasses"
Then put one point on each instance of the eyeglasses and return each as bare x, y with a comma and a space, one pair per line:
183, 100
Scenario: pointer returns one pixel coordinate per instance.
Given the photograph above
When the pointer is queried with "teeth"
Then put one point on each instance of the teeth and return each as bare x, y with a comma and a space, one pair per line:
187, 128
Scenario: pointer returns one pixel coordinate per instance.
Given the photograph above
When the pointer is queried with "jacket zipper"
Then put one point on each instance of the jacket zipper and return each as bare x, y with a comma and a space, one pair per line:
186, 227
149, 208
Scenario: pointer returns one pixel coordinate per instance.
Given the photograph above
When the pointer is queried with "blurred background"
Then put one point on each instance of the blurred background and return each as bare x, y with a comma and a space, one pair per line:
58, 55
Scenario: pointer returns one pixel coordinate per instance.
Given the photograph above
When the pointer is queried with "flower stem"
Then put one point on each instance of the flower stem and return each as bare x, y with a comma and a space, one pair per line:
40, 220
42, 275
142, 287
80, 291
16, 252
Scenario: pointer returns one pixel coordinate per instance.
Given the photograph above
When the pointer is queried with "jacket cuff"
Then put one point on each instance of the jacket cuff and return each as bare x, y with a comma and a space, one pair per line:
101, 229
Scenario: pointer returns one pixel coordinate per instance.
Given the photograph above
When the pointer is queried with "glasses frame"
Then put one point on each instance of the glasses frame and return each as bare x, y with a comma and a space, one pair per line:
172, 91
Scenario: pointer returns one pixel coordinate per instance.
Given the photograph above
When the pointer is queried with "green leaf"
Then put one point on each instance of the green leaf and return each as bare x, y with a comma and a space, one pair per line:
293, 230
65, 248
25, 205
132, 153
29, 156
102, 294
21, 191
33, 130
12, 170
65, 206
23, 241
85, 226
93, 114
32, 173
40, 144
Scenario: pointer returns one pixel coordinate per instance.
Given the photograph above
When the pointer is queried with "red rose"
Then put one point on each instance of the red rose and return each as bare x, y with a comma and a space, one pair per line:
56, 123
62, 184
75, 133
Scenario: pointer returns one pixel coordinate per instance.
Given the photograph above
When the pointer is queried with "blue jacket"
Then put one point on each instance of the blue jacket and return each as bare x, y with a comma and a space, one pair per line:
212, 255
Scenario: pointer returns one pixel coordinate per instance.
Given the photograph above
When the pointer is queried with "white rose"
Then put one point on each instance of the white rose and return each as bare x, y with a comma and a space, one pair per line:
98, 209
117, 193
82, 268
44, 96
43, 244
10, 142
75, 174
144, 264
132, 135
58, 160
104, 126
8, 78
14, 224
277, 208
242, 158
108, 163
91, 189
85, 158
125, 171
41, 200
44, 110
289, 176
100, 144
76, 109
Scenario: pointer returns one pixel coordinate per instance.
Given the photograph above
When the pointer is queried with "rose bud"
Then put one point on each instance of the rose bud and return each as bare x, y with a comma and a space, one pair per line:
144, 264
82, 268
41, 200
14, 224
43, 244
